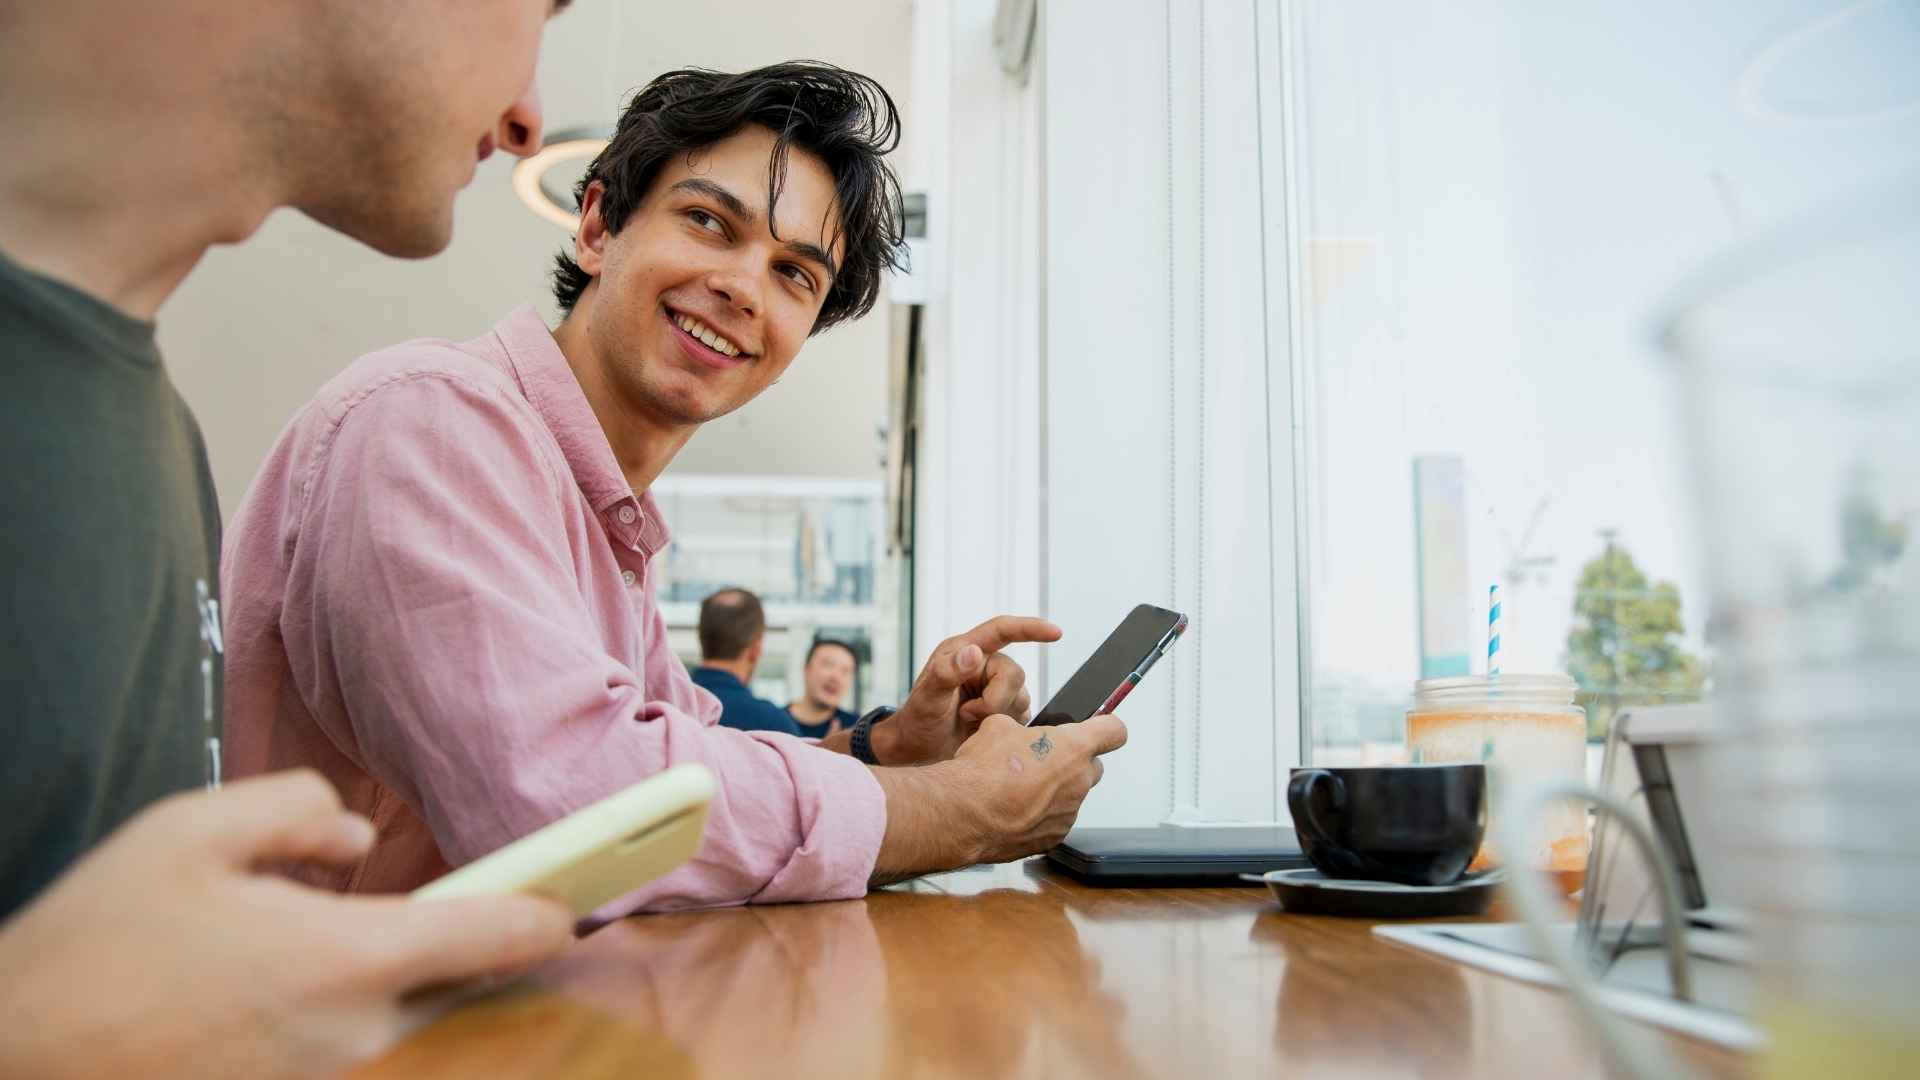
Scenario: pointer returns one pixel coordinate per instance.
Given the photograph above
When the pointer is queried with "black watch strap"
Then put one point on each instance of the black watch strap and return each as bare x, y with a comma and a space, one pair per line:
861, 742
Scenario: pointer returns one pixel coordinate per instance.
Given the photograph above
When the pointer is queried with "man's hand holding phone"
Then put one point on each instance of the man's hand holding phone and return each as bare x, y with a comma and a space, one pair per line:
966, 680
1034, 779
1011, 792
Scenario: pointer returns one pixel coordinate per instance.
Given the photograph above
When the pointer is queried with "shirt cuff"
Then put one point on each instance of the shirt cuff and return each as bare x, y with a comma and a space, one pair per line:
843, 819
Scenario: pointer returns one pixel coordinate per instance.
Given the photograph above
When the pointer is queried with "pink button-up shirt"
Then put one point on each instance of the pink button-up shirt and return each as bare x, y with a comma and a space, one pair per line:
438, 594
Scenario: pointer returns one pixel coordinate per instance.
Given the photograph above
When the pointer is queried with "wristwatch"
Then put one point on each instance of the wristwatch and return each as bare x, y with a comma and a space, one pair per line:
861, 742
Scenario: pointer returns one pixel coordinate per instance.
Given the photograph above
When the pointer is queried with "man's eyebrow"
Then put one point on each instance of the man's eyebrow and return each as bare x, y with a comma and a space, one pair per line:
813, 253
559, 6
720, 195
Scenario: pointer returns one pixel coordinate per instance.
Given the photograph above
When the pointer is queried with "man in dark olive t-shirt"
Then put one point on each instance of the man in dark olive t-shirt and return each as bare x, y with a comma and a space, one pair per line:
110, 535
172, 946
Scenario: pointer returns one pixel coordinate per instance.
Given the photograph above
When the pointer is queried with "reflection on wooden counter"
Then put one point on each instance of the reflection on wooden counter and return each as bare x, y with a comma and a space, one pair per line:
1008, 971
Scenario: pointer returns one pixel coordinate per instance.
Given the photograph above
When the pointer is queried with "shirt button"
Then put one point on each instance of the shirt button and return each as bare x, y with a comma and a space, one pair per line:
626, 576
627, 515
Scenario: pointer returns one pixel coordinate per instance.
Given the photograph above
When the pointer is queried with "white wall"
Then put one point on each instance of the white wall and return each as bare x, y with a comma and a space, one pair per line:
258, 328
1168, 388
978, 495
1153, 342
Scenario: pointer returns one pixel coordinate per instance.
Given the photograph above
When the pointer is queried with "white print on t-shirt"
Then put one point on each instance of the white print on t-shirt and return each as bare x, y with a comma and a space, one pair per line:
210, 646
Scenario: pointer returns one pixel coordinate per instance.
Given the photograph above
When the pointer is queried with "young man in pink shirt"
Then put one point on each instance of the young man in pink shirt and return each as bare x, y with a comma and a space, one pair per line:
440, 591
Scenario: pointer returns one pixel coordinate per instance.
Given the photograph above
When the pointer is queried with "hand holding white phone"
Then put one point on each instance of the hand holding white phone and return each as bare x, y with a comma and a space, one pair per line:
599, 853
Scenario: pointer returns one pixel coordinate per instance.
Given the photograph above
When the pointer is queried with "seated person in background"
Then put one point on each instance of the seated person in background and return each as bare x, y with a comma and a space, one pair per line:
440, 590
733, 628
830, 671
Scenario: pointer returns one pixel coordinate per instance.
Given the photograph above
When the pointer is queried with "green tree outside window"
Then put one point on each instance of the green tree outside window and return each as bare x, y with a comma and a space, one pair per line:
1625, 647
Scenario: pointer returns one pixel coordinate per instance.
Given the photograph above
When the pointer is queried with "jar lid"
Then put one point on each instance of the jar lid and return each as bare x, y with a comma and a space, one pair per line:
1512, 686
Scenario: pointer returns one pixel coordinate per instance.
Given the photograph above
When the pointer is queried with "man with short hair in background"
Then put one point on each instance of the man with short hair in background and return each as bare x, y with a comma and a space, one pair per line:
733, 631
831, 670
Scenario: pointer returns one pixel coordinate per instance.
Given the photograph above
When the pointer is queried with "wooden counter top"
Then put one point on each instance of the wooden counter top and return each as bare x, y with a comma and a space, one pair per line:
1010, 971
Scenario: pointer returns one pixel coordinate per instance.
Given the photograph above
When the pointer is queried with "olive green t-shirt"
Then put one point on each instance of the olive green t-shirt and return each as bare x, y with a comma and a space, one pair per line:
109, 543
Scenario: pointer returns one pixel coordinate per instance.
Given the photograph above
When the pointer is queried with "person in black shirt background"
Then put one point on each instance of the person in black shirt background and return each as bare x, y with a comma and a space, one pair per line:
832, 670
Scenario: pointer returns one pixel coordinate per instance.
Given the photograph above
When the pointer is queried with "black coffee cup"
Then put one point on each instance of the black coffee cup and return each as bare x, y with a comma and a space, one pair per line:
1413, 824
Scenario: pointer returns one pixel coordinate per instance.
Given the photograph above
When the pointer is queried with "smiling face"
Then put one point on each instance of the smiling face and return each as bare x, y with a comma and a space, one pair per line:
702, 300
829, 673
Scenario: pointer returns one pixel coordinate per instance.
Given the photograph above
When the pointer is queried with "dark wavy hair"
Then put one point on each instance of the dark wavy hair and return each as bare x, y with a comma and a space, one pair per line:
835, 643
845, 119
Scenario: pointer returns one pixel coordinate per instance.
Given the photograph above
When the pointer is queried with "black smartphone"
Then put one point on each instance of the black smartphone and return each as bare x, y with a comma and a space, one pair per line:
1116, 667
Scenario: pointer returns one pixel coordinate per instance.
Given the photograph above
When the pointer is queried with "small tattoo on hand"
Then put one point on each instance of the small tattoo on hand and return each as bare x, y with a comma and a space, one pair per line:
1041, 747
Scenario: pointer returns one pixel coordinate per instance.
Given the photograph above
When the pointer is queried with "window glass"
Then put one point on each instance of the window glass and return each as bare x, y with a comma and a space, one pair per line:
1496, 198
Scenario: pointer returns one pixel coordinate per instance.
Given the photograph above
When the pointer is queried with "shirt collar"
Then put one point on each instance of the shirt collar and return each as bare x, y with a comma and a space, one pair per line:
550, 386
714, 678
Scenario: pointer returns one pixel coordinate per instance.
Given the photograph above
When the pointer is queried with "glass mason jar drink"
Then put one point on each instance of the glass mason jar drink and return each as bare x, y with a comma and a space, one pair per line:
1522, 727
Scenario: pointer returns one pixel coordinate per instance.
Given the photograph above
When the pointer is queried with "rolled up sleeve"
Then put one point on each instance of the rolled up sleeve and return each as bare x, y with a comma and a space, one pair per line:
437, 626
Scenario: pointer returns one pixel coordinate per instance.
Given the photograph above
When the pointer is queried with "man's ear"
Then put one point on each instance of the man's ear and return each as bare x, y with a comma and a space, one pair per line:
590, 241
754, 650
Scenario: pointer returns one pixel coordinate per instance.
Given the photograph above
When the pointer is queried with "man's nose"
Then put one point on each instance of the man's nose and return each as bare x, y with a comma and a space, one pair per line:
737, 285
519, 131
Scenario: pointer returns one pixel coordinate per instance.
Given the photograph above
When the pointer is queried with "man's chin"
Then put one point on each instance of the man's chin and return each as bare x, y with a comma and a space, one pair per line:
403, 233
685, 405
415, 238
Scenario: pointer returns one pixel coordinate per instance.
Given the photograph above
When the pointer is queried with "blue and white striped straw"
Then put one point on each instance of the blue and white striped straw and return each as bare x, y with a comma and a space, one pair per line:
1493, 631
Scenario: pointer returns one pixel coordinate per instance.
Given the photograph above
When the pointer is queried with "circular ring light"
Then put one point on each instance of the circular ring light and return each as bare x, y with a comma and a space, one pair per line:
1851, 37
540, 184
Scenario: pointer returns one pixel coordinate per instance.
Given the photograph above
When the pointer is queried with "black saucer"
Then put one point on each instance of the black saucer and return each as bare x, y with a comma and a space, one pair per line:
1309, 892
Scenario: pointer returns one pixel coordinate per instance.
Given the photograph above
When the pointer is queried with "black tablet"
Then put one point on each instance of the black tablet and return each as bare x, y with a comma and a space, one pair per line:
1176, 854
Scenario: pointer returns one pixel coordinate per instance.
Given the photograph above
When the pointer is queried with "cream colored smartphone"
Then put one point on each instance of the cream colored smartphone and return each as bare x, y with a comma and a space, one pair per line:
599, 853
